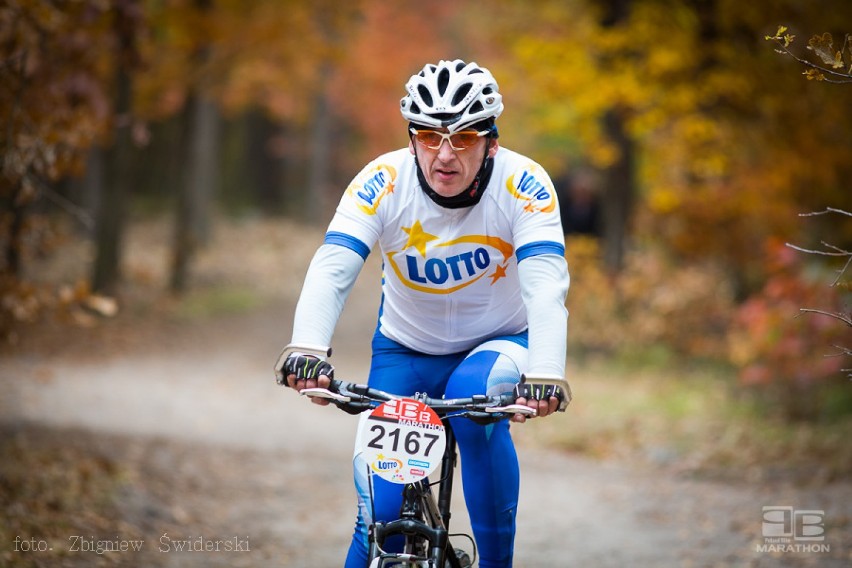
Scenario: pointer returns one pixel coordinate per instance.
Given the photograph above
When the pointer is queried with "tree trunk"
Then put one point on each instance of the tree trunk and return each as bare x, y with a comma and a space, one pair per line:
184, 243
16, 231
262, 167
618, 194
203, 166
319, 168
195, 194
109, 221
93, 181
118, 158
619, 180
289, 170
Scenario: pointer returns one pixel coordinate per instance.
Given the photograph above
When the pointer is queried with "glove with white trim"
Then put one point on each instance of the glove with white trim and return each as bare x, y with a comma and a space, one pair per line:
304, 366
531, 388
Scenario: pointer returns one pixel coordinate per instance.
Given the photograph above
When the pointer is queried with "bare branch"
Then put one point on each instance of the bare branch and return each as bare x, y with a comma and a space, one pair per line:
837, 250
845, 318
822, 252
69, 207
842, 271
827, 210
842, 352
845, 77
835, 247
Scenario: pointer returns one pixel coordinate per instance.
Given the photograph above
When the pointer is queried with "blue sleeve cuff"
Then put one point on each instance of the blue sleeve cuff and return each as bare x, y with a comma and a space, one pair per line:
347, 241
538, 248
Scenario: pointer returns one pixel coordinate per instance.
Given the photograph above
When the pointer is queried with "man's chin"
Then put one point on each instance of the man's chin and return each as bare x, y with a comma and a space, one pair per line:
447, 190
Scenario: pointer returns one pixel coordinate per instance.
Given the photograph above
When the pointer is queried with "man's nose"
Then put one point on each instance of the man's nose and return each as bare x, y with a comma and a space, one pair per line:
445, 151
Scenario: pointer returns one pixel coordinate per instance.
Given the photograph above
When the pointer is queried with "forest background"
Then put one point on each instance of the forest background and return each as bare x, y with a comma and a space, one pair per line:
694, 138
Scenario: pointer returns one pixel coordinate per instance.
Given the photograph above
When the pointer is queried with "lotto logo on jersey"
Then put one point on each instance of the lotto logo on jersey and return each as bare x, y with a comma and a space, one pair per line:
429, 264
533, 185
372, 186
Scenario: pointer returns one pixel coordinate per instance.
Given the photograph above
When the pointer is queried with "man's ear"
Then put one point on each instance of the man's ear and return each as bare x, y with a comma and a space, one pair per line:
411, 147
492, 150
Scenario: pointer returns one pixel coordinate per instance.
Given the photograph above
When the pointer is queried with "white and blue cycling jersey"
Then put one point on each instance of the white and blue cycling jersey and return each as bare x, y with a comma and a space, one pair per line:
452, 277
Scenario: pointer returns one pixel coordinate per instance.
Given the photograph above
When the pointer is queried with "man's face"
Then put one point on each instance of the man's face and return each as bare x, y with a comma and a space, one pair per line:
448, 171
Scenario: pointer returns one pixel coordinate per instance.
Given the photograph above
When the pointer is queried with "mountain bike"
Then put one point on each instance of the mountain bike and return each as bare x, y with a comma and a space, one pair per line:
406, 439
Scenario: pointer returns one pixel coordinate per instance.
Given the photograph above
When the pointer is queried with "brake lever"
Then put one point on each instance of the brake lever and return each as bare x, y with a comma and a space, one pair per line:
521, 409
324, 393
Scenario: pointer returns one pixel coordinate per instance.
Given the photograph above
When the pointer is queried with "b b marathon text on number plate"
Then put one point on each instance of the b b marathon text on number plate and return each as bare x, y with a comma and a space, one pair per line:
403, 440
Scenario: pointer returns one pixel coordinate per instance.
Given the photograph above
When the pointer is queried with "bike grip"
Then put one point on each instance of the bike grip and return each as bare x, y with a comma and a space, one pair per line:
508, 398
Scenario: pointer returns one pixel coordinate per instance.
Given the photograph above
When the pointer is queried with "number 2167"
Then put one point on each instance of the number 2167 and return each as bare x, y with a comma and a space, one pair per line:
411, 442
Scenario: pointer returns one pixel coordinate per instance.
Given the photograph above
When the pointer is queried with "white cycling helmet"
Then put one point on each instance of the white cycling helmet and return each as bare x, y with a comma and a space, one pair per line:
452, 95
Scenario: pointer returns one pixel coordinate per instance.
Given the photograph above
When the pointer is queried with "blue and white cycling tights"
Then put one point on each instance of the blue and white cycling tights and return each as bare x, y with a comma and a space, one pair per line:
489, 464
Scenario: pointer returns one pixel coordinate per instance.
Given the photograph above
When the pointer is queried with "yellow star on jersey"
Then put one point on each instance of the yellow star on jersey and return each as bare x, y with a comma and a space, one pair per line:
418, 238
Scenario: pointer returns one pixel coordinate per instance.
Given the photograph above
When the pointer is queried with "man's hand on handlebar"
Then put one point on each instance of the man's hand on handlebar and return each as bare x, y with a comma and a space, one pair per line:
542, 407
545, 399
303, 371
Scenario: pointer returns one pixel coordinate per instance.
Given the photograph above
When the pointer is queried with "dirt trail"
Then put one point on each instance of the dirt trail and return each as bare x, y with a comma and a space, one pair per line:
219, 451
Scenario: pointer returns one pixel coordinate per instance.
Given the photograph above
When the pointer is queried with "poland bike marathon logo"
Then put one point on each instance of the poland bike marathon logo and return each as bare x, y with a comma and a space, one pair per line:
427, 263
533, 186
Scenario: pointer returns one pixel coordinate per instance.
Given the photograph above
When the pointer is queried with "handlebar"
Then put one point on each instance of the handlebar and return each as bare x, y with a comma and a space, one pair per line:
355, 398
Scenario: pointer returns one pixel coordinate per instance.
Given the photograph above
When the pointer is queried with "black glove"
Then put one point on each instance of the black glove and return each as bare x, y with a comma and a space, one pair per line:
305, 367
540, 392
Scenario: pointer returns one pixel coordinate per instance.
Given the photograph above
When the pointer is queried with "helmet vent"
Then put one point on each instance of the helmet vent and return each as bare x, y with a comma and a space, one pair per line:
476, 107
461, 93
425, 95
443, 81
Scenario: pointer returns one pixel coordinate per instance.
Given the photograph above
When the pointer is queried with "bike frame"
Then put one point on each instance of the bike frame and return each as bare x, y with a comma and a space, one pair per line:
422, 517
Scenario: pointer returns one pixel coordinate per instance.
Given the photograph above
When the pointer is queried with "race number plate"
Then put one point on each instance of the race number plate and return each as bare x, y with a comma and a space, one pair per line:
403, 440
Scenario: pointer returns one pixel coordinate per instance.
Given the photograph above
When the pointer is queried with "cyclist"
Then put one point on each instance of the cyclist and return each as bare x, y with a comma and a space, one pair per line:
474, 288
